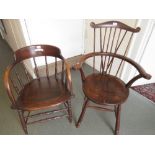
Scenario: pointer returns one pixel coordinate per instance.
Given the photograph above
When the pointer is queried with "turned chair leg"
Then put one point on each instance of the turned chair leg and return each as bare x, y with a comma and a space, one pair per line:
117, 125
82, 113
22, 120
69, 111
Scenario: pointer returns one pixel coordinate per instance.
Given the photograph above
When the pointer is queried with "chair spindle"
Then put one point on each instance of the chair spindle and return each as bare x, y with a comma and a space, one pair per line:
47, 70
36, 68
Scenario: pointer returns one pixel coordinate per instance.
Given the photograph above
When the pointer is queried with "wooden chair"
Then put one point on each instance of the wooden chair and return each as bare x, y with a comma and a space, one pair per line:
29, 96
103, 87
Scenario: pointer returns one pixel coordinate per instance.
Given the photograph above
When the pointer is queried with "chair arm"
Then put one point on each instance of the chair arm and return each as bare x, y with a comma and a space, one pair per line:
133, 80
141, 71
133, 63
7, 84
148, 76
79, 64
139, 68
68, 77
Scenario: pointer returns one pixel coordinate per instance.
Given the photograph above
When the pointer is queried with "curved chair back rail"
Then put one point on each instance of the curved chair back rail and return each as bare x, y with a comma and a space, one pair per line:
115, 24
29, 94
36, 51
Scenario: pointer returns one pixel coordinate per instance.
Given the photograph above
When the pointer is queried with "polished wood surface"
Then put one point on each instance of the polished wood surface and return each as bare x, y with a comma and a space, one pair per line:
103, 89
42, 93
29, 94
103, 86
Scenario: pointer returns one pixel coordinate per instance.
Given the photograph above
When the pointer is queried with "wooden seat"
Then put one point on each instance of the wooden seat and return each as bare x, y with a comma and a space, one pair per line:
104, 86
103, 89
51, 93
42, 93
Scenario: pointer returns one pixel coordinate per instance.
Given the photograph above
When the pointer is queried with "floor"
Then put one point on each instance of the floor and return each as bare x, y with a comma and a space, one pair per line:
137, 117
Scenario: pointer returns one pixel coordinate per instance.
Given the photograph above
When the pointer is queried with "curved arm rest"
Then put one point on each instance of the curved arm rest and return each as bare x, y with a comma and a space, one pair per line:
7, 84
133, 80
141, 71
133, 63
68, 78
148, 76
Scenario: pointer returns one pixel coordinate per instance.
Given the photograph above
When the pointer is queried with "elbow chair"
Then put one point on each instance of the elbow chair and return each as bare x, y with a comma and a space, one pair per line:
51, 93
104, 86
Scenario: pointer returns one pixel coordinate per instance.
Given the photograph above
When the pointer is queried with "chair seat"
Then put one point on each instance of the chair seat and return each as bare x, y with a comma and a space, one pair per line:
42, 93
105, 89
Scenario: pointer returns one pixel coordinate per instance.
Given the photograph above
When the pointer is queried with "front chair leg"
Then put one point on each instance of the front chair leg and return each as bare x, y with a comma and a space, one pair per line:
82, 113
22, 120
117, 125
115, 110
69, 111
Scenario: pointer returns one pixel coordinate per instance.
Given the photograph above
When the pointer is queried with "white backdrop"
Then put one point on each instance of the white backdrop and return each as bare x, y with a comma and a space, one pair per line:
68, 35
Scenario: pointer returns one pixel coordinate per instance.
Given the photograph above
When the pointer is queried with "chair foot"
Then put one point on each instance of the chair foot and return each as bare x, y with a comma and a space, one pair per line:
82, 113
23, 123
77, 125
117, 132
26, 132
117, 125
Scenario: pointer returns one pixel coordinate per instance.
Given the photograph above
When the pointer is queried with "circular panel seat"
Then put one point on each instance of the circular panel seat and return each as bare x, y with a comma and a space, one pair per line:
105, 89
42, 93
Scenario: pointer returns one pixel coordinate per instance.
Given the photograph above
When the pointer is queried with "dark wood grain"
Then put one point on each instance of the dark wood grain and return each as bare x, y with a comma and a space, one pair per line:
103, 89
43, 93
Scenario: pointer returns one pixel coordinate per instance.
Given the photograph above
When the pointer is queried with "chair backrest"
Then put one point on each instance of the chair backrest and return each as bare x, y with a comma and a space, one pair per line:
34, 51
111, 37
18, 73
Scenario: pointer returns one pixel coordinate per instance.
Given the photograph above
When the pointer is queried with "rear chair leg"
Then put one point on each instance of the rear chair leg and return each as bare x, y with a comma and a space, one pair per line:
117, 125
22, 120
82, 113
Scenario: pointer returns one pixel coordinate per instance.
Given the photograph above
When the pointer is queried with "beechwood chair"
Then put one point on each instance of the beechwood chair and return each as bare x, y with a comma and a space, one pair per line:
103, 88
51, 93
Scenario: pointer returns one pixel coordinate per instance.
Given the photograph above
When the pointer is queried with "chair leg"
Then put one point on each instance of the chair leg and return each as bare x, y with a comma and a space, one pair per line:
117, 125
115, 110
82, 113
22, 120
69, 111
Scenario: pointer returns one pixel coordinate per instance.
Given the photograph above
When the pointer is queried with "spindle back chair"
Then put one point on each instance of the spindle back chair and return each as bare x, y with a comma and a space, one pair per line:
29, 95
103, 86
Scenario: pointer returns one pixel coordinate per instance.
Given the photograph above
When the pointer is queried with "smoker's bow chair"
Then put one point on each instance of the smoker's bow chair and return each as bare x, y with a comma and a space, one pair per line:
50, 93
103, 86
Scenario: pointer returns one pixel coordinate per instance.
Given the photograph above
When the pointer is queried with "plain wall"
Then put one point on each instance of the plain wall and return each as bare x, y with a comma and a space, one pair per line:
15, 38
67, 34
147, 59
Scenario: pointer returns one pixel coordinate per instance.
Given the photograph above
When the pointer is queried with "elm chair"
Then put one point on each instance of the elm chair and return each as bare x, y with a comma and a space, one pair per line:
103, 87
48, 96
